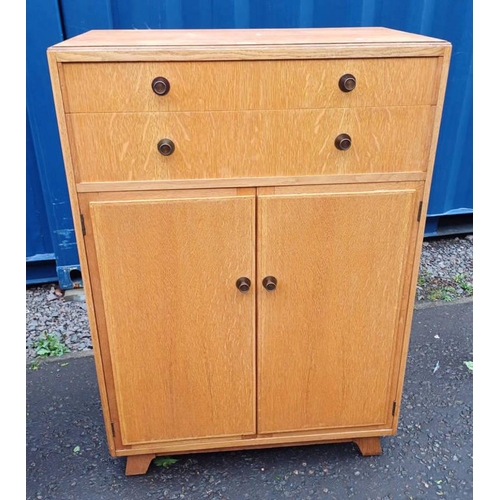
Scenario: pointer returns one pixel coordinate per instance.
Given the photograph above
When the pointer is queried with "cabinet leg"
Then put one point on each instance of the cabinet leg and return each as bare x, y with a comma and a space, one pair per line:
369, 446
138, 464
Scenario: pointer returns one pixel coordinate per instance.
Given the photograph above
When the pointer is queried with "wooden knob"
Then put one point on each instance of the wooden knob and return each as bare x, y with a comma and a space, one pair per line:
343, 142
243, 284
166, 147
270, 283
347, 83
160, 85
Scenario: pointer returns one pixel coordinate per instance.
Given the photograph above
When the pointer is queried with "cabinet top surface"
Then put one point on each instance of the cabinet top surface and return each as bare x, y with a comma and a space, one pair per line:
126, 39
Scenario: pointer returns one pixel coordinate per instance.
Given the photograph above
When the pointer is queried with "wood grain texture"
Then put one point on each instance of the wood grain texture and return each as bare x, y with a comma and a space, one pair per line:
140, 195
91, 283
274, 44
339, 259
369, 446
97, 306
111, 147
299, 180
259, 441
268, 129
138, 464
181, 335
100, 354
421, 228
249, 53
243, 85
242, 37
408, 291
333, 188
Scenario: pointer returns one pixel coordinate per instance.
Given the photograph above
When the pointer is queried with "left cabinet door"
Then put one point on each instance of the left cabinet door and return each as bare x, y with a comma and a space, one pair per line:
180, 334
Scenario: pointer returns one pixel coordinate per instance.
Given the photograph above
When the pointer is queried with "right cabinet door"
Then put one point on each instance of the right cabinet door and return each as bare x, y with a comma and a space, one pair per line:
330, 333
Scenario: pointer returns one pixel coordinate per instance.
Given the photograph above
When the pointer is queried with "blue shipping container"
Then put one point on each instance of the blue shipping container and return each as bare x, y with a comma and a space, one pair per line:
51, 248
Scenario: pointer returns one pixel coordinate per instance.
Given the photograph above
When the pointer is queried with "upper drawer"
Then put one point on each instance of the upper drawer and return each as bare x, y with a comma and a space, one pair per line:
248, 85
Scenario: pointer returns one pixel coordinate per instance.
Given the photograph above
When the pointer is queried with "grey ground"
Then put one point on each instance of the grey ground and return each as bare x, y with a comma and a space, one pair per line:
446, 269
445, 275
430, 457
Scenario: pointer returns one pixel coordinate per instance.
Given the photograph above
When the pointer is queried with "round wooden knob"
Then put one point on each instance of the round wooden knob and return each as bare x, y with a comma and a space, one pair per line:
347, 83
270, 283
160, 85
166, 147
343, 142
243, 284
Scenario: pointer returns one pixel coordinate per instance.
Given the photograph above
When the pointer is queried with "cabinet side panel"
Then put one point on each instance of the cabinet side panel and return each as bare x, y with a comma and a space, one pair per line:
443, 78
55, 72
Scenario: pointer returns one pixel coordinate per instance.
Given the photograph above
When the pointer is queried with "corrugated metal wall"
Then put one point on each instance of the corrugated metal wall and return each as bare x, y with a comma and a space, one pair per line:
47, 22
49, 223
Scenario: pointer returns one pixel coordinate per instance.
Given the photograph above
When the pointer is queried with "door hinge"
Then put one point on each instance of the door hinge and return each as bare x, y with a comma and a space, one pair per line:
394, 408
82, 222
419, 215
113, 429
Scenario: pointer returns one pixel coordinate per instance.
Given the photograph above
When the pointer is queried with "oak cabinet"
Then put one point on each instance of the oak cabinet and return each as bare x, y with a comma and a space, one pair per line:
249, 208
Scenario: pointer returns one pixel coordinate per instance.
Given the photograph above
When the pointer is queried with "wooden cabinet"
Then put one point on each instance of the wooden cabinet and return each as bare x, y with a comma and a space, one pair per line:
249, 208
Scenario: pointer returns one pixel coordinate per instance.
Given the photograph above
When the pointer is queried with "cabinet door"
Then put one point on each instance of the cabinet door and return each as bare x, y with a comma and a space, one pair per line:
181, 335
328, 334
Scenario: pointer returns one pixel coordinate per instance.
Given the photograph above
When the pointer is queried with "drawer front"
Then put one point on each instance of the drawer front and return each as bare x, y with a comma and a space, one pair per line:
244, 85
124, 146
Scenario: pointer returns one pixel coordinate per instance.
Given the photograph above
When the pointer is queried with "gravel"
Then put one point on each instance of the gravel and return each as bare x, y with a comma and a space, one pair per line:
48, 312
445, 275
446, 269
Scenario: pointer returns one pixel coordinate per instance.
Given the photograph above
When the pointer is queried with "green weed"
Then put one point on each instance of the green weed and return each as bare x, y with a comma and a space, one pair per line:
447, 293
423, 277
469, 365
164, 461
461, 281
49, 345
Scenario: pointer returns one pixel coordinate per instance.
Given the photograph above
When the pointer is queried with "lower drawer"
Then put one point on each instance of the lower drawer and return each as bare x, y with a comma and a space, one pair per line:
218, 144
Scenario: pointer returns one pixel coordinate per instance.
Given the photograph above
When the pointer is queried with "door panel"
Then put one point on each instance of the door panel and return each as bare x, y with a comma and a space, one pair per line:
181, 336
327, 334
